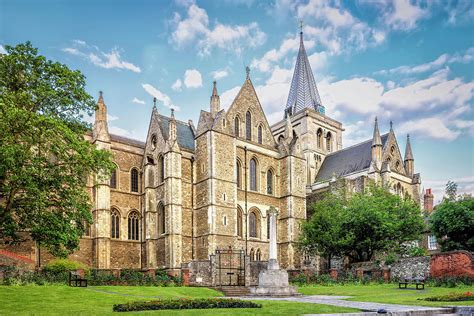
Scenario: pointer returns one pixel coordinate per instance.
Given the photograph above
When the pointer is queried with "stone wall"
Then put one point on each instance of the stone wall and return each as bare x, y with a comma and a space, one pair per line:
200, 273
254, 268
415, 267
453, 263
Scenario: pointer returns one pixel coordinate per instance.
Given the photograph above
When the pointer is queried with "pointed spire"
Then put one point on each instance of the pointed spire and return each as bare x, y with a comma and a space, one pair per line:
100, 129
408, 152
247, 71
391, 126
215, 100
172, 127
303, 91
376, 140
154, 102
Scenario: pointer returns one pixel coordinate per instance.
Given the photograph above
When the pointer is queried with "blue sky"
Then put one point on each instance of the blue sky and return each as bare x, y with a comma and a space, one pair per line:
406, 61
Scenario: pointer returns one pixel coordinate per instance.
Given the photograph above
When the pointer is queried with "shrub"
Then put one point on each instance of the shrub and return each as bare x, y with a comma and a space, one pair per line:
199, 303
59, 266
390, 259
451, 281
417, 252
451, 297
299, 279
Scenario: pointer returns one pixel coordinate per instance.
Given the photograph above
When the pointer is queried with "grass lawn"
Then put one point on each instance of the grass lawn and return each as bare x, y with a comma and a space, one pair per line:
46, 300
387, 293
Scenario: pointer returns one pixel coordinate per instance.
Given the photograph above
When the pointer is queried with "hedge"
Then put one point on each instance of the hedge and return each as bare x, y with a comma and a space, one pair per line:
184, 303
451, 297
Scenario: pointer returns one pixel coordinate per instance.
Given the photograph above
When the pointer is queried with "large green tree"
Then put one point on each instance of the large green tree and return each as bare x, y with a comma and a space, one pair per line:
452, 221
362, 224
44, 158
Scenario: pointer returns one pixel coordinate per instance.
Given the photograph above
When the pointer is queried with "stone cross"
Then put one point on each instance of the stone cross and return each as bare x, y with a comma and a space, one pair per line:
273, 253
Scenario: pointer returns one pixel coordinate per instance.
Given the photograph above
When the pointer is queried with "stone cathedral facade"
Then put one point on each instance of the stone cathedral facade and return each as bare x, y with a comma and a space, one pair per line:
190, 190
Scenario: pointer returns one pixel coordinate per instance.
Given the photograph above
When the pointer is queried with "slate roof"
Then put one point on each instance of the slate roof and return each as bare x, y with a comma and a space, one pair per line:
184, 132
126, 140
348, 160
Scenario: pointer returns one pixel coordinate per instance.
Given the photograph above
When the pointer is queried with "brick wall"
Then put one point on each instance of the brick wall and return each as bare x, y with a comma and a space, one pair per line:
453, 263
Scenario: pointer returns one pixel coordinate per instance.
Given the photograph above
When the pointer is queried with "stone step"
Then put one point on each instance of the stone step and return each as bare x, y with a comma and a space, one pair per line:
234, 290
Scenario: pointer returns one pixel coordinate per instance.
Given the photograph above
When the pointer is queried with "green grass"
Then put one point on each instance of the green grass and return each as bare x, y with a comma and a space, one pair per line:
387, 293
47, 300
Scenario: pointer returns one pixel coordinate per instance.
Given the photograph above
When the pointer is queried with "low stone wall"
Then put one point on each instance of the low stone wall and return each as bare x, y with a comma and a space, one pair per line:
453, 263
414, 267
255, 268
200, 273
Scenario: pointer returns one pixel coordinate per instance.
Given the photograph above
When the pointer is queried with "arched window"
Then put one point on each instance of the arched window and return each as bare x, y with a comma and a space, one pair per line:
248, 125
280, 139
397, 165
115, 224
253, 174
113, 179
258, 255
268, 226
239, 222
253, 225
237, 126
134, 180
319, 137
151, 177
161, 219
260, 134
238, 173
252, 255
269, 182
161, 167
329, 142
133, 225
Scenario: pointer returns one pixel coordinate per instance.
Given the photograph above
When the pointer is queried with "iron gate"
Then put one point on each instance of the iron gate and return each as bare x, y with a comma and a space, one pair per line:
230, 267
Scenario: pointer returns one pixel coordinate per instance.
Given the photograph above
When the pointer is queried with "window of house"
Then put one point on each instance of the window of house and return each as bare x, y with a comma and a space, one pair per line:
432, 244
133, 226
134, 180
248, 125
238, 174
161, 219
239, 222
329, 142
113, 179
258, 255
268, 226
161, 167
237, 126
253, 174
319, 137
115, 224
269, 182
260, 134
253, 225
252, 255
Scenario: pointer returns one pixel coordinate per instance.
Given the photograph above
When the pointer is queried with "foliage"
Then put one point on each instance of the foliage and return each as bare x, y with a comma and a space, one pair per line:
451, 281
198, 303
418, 252
391, 258
362, 224
64, 265
452, 222
45, 159
451, 297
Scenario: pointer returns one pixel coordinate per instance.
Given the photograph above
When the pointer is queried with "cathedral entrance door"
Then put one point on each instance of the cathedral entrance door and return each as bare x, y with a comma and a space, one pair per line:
230, 267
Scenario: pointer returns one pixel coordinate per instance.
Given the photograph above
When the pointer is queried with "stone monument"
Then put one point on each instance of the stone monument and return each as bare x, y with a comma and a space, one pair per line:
273, 281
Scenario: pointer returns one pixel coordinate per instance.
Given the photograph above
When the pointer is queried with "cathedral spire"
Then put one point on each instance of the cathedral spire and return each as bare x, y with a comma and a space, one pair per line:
215, 101
100, 130
409, 161
303, 91
376, 146
376, 140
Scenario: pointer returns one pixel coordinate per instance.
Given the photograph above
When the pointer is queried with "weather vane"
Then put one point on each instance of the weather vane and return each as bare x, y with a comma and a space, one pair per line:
301, 26
154, 102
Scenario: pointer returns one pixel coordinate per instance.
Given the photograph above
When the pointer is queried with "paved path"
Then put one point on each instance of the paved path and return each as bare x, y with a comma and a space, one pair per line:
364, 306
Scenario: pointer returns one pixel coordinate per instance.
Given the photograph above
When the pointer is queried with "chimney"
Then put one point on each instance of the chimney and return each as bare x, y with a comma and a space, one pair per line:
428, 201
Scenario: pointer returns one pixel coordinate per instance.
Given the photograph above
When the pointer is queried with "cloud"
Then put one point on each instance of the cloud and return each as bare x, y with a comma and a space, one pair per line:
219, 74
177, 85
107, 60
192, 78
403, 14
195, 29
138, 101
160, 96
3, 50
228, 96
432, 127
438, 186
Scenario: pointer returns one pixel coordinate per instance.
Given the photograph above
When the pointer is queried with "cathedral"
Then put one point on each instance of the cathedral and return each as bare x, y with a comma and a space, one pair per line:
189, 190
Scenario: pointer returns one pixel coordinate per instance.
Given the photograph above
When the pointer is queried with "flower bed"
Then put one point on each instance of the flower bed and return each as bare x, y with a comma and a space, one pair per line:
451, 297
185, 304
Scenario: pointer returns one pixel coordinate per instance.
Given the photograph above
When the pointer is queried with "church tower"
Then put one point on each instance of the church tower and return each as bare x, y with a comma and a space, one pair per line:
317, 134
101, 190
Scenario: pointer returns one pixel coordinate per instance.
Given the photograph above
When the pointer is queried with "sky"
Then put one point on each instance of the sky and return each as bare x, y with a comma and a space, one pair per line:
410, 62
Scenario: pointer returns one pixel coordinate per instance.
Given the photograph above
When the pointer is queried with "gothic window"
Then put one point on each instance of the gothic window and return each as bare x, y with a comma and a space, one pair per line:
238, 174
258, 255
134, 180
237, 126
392, 150
252, 255
153, 142
269, 182
248, 125
113, 179
161, 219
319, 138
253, 174
115, 224
253, 225
268, 226
329, 142
133, 225
161, 167
260, 132
397, 165
239, 222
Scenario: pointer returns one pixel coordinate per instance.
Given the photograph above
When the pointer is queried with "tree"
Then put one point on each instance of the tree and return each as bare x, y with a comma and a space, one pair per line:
44, 158
452, 222
363, 224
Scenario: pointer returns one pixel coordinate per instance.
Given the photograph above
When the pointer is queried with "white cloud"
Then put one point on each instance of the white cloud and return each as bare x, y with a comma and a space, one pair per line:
110, 60
438, 186
403, 14
177, 85
192, 78
228, 96
194, 28
3, 50
138, 101
160, 96
219, 74
432, 127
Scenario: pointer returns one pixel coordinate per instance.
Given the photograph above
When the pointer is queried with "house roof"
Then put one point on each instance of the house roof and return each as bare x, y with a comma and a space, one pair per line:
348, 160
185, 134
126, 140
